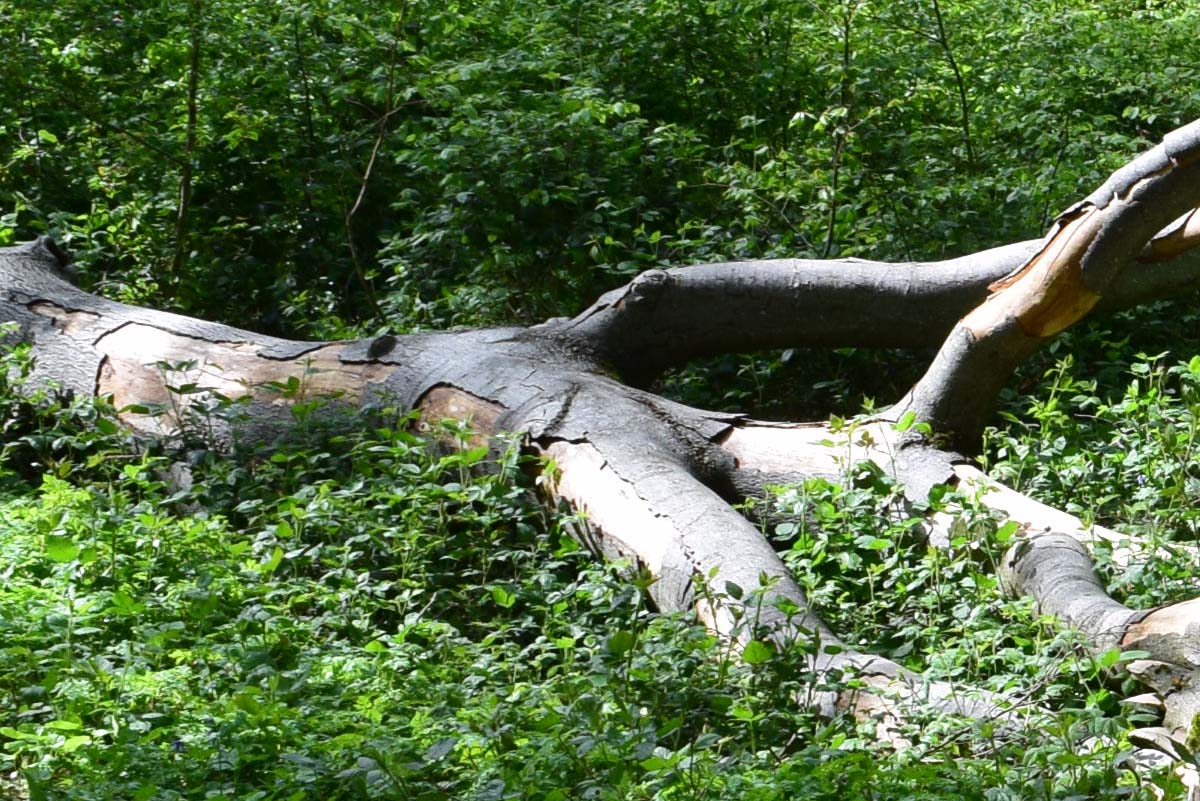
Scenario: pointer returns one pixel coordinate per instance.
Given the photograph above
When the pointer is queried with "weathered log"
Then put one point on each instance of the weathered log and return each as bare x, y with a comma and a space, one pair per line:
652, 478
647, 474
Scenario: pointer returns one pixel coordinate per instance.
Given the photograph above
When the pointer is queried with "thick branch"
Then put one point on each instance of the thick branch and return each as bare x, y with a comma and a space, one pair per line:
644, 471
1090, 246
1050, 560
665, 318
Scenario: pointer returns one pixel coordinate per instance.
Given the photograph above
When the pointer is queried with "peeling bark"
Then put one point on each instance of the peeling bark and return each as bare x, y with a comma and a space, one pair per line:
652, 480
1088, 248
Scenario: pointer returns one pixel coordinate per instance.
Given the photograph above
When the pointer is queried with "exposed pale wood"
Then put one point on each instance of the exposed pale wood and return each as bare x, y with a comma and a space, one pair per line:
1034, 516
1048, 294
1090, 246
1175, 240
1170, 633
141, 363
65, 320
651, 478
450, 403
801, 450
613, 519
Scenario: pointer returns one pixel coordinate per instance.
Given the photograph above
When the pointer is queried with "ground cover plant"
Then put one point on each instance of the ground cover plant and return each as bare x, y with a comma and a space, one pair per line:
390, 621
352, 611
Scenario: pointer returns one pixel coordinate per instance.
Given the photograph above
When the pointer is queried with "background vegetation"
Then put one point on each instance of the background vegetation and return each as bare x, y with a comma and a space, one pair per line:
358, 616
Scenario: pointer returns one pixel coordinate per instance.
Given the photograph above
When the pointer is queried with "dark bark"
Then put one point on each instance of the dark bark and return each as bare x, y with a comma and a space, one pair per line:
656, 478
1087, 250
665, 318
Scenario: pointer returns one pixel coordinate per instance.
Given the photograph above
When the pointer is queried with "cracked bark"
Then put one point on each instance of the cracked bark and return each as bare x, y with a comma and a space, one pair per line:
654, 479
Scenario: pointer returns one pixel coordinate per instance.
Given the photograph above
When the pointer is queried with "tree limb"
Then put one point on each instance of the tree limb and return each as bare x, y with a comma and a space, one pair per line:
665, 318
653, 478
1088, 248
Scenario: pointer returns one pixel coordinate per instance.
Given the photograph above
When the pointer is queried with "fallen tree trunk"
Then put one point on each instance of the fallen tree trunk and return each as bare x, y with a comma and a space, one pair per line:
655, 479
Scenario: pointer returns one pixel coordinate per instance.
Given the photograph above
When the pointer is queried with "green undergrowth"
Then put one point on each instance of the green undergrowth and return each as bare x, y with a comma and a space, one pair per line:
356, 613
1115, 441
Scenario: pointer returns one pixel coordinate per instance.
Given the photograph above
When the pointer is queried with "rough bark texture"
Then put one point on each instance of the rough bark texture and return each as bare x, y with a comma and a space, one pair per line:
654, 479
1088, 248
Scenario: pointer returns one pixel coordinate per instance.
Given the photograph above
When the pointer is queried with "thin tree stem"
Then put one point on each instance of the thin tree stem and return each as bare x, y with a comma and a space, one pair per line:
963, 105
380, 135
189, 150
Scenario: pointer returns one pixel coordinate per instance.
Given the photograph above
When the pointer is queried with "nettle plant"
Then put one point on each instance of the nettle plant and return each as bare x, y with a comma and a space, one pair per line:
370, 615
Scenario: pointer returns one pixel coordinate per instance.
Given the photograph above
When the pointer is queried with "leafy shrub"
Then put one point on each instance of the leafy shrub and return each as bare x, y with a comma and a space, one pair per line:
353, 614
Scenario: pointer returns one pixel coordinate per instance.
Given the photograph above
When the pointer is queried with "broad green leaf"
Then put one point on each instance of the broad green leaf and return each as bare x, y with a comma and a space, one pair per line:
756, 652
60, 548
503, 597
620, 642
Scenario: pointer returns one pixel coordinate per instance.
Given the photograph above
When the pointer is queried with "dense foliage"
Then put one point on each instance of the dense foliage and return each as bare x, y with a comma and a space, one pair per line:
480, 161
355, 614
365, 616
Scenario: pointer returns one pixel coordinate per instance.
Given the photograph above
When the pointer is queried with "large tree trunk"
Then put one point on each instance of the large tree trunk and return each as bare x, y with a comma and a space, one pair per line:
655, 479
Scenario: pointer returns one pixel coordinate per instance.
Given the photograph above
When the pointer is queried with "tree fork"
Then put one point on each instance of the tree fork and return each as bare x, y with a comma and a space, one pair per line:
653, 477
